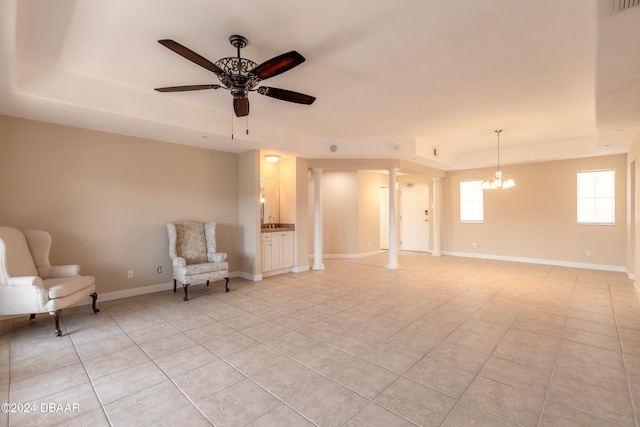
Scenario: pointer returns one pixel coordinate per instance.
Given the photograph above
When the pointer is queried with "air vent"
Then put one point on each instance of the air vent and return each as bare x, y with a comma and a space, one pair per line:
618, 6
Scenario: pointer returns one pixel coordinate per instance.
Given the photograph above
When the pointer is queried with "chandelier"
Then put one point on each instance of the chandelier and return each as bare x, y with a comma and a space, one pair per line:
498, 180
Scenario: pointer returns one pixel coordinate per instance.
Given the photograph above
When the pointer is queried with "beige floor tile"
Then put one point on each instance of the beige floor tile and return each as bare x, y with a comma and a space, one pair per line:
556, 414
182, 361
168, 345
113, 362
110, 344
385, 355
440, 376
255, 359
238, 404
473, 340
56, 380
206, 380
128, 381
327, 403
516, 375
463, 415
453, 340
281, 415
460, 357
416, 402
505, 401
376, 415
226, 345
147, 407
57, 407
593, 400
593, 339
40, 364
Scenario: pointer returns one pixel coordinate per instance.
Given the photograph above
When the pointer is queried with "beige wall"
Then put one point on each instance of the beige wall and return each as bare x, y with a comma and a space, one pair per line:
633, 198
249, 214
369, 184
537, 218
105, 198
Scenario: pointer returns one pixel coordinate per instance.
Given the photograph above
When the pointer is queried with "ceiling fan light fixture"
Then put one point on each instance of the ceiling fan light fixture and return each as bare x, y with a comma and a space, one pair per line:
272, 158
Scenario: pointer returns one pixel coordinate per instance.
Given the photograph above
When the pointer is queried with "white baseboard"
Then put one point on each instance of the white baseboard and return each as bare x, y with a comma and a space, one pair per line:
539, 261
300, 269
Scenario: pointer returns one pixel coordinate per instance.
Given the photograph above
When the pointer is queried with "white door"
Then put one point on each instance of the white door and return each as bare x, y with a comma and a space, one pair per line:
415, 226
384, 218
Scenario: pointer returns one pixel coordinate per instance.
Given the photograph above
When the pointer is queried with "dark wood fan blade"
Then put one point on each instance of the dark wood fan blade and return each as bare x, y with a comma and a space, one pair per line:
278, 65
286, 95
190, 55
241, 106
186, 88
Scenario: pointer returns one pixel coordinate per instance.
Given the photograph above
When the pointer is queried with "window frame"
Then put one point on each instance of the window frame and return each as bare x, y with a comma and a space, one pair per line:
594, 197
480, 202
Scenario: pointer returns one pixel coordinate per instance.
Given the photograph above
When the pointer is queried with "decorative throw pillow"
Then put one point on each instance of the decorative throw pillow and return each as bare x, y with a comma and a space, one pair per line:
190, 243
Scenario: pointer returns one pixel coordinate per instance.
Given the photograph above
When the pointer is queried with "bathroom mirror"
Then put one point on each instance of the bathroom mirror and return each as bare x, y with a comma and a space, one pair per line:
269, 201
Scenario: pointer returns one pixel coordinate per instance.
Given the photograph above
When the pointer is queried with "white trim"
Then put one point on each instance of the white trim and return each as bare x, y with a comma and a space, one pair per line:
636, 289
540, 261
300, 269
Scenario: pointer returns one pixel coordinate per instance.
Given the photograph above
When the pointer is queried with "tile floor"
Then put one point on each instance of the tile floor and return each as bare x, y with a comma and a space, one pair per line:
442, 341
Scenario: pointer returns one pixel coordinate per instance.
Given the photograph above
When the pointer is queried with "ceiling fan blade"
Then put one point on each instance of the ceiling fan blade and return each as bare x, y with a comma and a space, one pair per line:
278, 65
241, 106
190, 55
286, 95
186, 88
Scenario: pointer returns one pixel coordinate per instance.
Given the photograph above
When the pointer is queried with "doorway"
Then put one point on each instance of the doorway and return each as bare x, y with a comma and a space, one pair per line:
414, 222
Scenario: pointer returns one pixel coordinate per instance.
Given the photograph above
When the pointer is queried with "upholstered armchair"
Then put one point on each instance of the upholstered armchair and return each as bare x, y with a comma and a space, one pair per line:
29, 284
192, 248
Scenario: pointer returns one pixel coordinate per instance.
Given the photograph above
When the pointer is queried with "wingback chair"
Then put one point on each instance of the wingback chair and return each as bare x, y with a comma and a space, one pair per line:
192, 248
29, 284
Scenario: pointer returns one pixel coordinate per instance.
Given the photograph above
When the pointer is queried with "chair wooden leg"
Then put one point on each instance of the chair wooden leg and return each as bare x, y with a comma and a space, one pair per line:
174, 285
95, 298
32, 316
226, 284
56, 318
186, 297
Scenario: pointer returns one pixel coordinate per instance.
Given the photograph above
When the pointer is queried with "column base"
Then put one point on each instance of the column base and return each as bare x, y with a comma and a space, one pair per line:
436, 253
318, 266
392, 267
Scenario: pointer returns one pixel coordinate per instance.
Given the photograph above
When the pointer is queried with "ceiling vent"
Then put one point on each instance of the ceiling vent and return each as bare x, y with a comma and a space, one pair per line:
618, 6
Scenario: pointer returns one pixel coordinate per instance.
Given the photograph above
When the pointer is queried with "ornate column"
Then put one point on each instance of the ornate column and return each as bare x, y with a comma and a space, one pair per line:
435, 219
317, 220
393, 223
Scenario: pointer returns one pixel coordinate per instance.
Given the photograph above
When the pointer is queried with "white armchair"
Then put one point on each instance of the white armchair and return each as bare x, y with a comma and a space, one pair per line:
192, 249
29, 284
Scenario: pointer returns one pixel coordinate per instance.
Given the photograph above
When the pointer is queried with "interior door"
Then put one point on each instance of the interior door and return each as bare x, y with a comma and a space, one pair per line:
415, 225
384, 218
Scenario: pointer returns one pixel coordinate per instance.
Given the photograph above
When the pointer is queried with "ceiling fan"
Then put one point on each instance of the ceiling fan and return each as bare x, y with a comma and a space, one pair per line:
241, 76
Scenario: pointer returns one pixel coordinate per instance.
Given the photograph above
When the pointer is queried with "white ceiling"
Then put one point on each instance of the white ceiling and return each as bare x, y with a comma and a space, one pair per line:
393, 78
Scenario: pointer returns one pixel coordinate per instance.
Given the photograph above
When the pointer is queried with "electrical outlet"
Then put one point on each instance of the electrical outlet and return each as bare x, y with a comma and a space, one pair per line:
588, 253
159, 270
475, 245
130, 274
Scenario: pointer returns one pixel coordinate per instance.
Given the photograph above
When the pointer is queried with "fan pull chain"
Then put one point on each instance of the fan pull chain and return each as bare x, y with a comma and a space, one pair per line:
232, 125
247, 125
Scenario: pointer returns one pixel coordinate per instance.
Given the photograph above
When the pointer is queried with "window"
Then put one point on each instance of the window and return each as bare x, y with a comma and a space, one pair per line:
471, 201
596, 197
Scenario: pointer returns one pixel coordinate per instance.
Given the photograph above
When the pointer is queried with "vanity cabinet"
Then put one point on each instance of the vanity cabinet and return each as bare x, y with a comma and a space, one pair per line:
277, 251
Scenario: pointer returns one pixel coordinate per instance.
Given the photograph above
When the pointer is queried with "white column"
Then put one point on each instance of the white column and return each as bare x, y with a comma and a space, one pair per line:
393, 223
435, 219
317, 220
